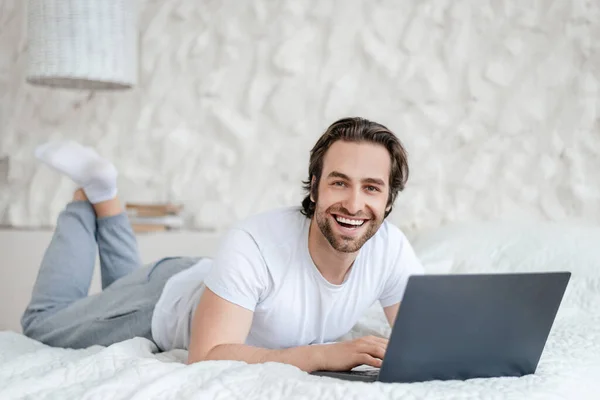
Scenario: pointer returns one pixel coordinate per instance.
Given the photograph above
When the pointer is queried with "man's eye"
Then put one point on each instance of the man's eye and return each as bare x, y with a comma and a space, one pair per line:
338, 183
372, 189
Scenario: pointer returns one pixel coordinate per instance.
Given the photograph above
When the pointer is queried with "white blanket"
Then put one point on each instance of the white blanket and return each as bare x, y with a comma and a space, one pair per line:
569, 367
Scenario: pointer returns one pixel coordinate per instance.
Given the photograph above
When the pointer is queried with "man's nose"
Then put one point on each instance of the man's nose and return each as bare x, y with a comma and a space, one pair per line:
354, 202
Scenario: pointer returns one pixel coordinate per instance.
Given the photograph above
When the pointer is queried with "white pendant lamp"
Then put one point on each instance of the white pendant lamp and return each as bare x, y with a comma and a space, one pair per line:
83, 44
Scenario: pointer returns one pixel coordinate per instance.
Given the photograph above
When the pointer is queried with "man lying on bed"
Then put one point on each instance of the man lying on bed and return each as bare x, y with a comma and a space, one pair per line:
283, 283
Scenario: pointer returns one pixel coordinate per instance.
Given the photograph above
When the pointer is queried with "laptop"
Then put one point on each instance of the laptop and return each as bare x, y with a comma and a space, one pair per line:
468, 326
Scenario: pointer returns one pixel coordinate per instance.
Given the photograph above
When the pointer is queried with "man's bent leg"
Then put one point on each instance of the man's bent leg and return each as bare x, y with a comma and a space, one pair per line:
117, 246
122, 311
67, 268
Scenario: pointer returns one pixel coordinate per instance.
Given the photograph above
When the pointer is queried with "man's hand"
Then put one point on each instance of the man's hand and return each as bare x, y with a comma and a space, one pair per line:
344, 356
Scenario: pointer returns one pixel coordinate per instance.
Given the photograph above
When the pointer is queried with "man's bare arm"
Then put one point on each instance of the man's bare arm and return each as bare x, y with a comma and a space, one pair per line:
391, 312
219, 331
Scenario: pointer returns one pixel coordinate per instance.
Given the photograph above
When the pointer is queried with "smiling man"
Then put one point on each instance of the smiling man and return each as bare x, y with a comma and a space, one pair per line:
289, 279
283, 286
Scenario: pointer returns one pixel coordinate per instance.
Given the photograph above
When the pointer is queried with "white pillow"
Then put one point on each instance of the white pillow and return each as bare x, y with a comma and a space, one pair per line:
514, 246
437, 267
521, 246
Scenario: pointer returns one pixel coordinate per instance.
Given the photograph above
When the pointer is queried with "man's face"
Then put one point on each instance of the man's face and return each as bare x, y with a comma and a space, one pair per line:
352, 193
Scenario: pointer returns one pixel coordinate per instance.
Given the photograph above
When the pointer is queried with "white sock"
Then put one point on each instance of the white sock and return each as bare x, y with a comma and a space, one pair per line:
94, 174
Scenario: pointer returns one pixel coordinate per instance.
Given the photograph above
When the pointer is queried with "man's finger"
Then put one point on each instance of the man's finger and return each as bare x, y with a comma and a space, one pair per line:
378, 351
369, 360
373, 349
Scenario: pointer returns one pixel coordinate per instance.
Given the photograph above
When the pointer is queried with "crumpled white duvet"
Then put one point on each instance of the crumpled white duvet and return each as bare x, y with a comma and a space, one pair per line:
569, 367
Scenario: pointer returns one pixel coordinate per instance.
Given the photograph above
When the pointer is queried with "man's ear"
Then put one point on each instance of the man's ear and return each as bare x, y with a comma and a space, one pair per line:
312, 188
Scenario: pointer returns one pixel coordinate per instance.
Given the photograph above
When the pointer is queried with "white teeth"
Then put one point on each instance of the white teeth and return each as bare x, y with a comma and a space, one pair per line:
355, 222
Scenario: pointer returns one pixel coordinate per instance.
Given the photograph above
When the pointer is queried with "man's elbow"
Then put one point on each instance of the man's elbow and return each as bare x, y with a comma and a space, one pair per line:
201, 355
193, 358
213, 353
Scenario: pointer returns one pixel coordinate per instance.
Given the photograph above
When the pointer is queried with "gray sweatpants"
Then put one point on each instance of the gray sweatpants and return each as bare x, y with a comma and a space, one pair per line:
62, 314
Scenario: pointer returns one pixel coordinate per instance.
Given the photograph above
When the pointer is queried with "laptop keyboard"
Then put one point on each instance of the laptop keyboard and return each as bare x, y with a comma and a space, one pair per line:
365, 372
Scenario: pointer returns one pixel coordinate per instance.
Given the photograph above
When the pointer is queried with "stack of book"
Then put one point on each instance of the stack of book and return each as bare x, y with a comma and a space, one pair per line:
154, 217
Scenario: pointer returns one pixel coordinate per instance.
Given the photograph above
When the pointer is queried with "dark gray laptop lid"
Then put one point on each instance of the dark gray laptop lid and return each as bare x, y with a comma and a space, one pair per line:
469, 326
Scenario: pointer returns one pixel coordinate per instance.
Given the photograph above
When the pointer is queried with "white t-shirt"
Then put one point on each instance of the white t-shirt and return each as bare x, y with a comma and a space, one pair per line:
264, 265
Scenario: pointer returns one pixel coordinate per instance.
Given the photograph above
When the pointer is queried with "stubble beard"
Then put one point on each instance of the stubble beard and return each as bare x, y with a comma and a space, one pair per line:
341, 243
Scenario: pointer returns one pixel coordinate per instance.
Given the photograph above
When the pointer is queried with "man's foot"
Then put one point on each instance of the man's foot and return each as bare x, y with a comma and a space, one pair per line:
94, 174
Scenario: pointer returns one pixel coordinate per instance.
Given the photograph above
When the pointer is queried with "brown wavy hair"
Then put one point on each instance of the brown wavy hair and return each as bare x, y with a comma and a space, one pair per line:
356, 130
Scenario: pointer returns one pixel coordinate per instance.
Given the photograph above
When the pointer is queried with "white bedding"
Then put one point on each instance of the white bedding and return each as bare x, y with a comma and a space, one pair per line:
569, 367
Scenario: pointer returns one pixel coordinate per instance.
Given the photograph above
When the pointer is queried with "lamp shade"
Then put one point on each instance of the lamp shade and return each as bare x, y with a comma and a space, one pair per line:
83, 44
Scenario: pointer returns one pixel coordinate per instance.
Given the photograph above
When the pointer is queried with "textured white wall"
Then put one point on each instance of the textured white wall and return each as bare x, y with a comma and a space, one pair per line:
497, 102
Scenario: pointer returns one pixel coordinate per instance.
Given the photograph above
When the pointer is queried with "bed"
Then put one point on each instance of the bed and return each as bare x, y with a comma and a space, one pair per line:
569, 367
